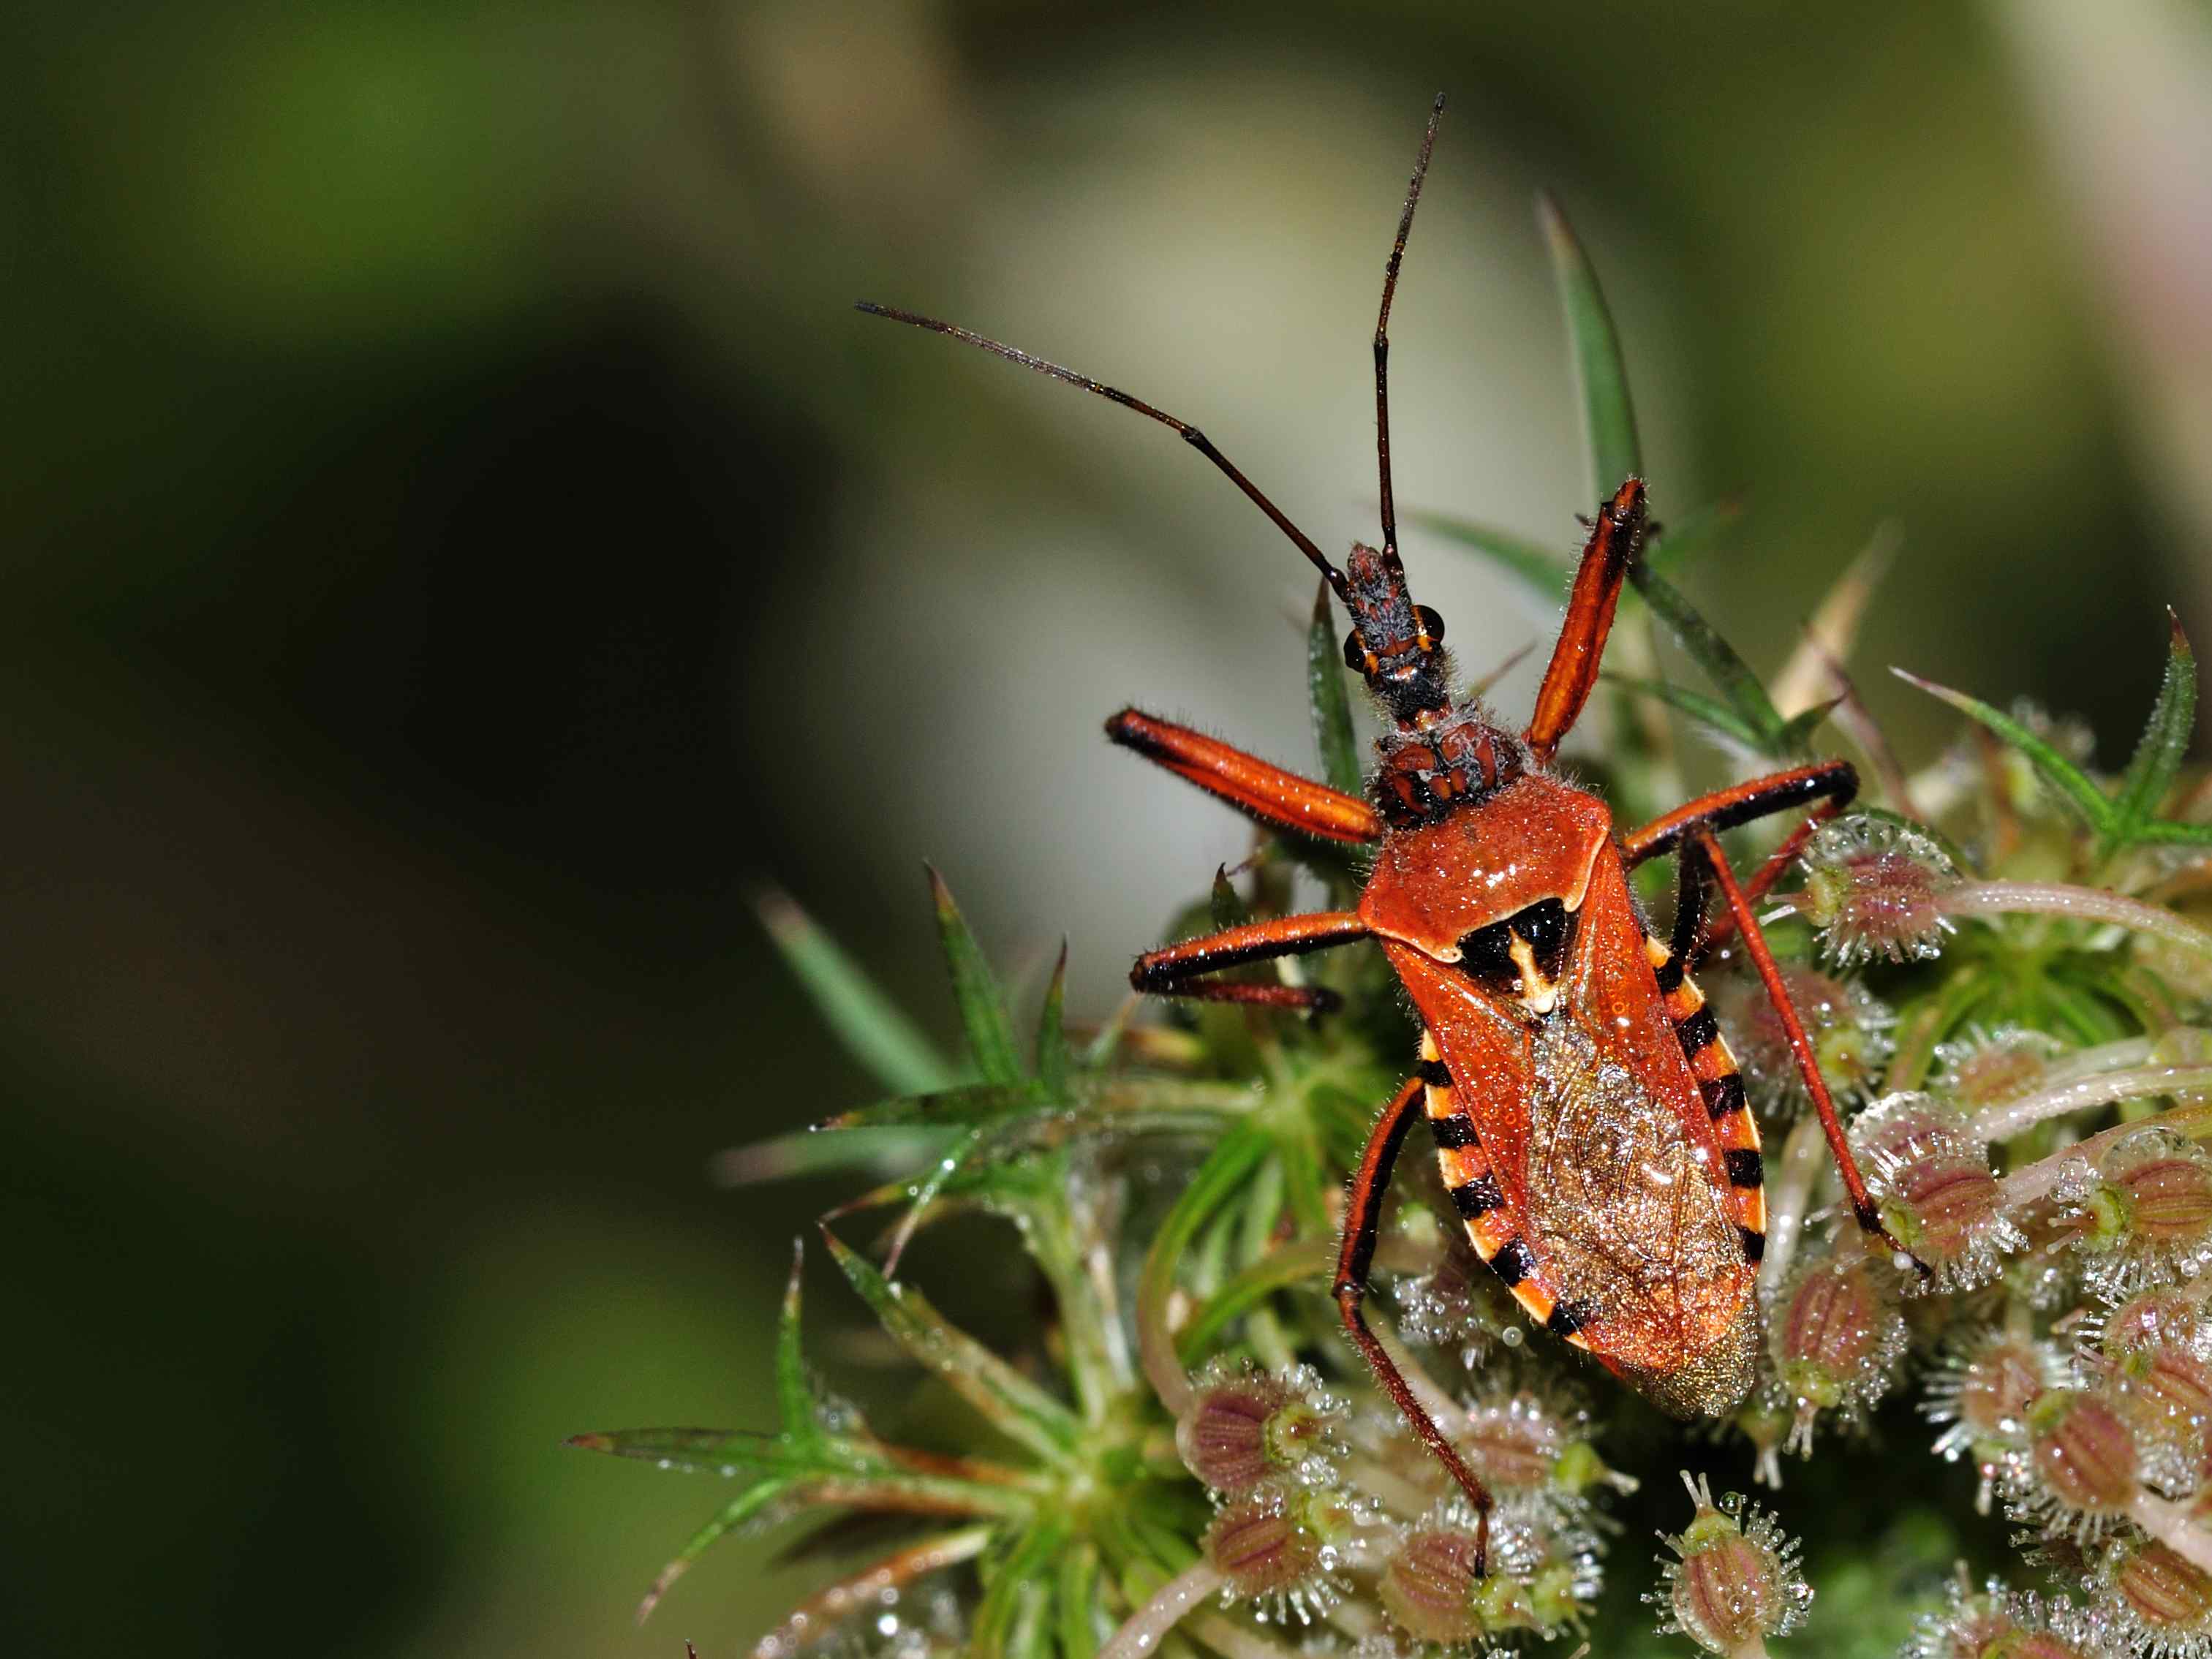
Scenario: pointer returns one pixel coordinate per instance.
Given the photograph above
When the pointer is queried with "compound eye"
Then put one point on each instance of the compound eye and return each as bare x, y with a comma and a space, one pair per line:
1355, 652
1431, 624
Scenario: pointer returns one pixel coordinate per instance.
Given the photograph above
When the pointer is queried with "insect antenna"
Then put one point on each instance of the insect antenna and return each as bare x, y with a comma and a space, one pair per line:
1189, 434
1382, 336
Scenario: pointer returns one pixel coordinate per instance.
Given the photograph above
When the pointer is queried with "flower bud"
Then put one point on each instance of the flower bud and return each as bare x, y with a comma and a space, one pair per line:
1280, 1544
1523, 1446
1837, 1339
1735, 1581
1995, 1623
2084, 1458
1871, 887
2144, 1218
1930, 1178
2161, 1598
1848, 1027
1244, 1425
1985, 1389
1432, 1592
2153, 1319
1988, 1069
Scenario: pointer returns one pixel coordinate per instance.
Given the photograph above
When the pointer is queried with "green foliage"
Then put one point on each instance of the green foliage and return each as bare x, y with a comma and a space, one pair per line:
1329, 696
1608, 421
2128, 815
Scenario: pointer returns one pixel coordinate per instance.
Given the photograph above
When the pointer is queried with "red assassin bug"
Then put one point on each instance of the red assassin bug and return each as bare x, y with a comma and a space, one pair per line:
1589, 1119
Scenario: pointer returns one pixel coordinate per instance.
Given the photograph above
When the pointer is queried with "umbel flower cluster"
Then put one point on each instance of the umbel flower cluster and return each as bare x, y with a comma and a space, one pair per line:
2003, 962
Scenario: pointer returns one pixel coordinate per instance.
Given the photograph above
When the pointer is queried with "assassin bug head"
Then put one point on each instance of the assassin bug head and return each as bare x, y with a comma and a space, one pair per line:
1394, 642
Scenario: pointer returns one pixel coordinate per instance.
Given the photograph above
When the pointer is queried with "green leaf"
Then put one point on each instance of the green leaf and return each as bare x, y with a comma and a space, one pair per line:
868, 1024
1221, 1176
1329, 696
925, 1191
1225, 904
2065, 779
1731, 676
2164, 832
1795, 737
985, 1102
734, 1514
2157, 760
794, 1389
729, 1453
1670, 544
974, 1103
1542, 570
1077, 1601
1719, 719
983, 1017
1296, 1262
804, 1152
1052, 1053
1011, 1622
1607, 418
1018, 1408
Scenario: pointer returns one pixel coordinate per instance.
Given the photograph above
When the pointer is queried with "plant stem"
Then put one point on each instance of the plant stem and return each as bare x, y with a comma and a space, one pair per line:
2100, 1089
1787, 1199
2040, 1179
2054, 898
1140, 1634
2170, 1524
1226, 1636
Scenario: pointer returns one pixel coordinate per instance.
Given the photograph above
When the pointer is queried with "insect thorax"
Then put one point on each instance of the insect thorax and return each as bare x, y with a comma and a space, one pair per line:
1427, 771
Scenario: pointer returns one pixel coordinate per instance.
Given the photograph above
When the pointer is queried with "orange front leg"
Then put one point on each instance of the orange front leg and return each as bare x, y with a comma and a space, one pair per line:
1616, 538
1277, 799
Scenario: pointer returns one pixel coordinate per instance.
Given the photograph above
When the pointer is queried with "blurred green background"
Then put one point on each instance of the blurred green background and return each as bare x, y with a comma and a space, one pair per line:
460, 544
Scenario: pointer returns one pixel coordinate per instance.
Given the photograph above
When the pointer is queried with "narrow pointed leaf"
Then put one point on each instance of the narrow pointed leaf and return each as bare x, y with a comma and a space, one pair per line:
1812, 669
1010, 1623
1329, 697
983, 1016
1227, 904
974, 1104
1225, 1171
1543, 570
866, 1022
1681, 537
2157, 760
1052, 1054
1795, 737
794, 1389
1297, 1262
2164, 832
953, 1161
727, 1452
1731, 676
1607, 418
1078, 1605
877, 1583
1717, 718
1013, 1404
734, 1514
804, 1152
2066, 779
